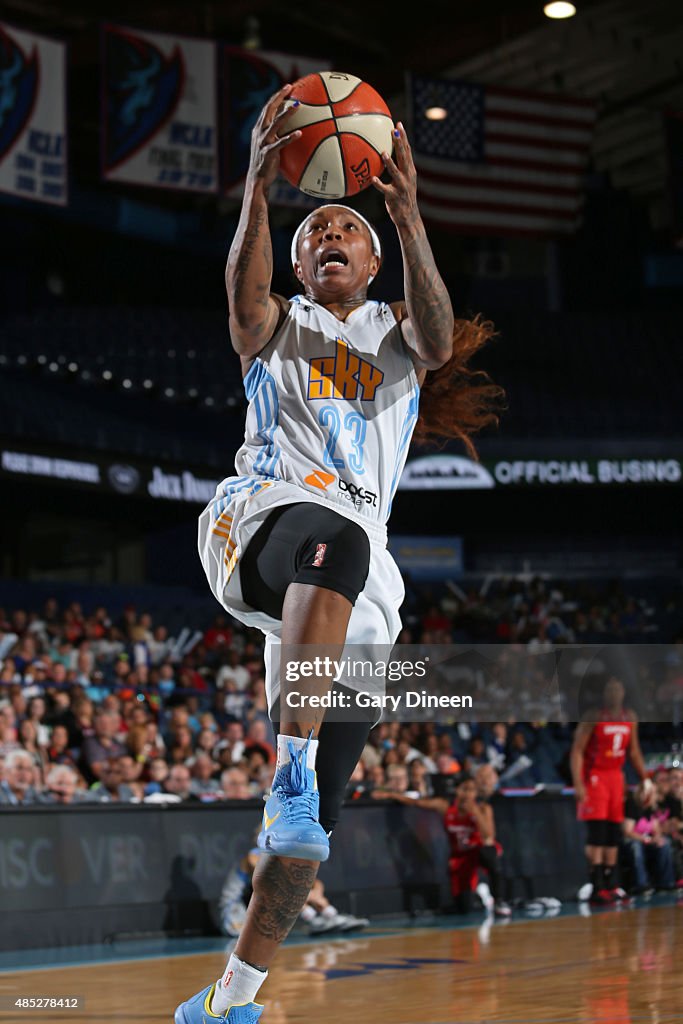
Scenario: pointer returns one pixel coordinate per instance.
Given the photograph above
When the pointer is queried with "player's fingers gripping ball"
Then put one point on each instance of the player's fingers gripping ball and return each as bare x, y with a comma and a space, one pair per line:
345, 127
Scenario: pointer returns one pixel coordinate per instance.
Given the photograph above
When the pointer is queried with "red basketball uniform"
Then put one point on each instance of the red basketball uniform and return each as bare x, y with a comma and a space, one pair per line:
465, 841
603, 774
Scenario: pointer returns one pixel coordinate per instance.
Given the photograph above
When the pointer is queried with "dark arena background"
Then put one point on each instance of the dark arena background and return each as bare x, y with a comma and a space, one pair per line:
135, 745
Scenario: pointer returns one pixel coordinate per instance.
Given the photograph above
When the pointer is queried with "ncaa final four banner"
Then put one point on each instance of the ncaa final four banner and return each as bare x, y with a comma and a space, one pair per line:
33, 158
159, 110
249, 78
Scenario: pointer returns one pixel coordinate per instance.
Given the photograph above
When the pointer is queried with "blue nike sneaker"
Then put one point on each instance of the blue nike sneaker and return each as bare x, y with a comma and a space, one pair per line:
290, 817
197, 1010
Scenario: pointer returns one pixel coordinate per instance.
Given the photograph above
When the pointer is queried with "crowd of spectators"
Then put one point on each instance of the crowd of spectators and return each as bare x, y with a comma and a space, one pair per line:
113, 709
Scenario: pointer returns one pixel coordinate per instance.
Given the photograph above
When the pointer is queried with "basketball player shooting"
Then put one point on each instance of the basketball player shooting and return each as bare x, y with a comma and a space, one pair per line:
601, 743
295, 543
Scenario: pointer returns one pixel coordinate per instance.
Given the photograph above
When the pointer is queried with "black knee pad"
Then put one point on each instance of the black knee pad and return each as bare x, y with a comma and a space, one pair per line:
596, 833
303, 543
335, 554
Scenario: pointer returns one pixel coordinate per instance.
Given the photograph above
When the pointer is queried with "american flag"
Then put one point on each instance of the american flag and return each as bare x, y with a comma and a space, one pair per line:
504, 161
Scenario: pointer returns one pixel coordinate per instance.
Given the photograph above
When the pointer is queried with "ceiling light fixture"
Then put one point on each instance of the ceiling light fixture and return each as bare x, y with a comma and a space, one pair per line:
559, 9
436, 113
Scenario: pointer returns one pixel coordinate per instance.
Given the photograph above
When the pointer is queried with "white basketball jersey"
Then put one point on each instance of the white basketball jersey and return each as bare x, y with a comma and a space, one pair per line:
332, 407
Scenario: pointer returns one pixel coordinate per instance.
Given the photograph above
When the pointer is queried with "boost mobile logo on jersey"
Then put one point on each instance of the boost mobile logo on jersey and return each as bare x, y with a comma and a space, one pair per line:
342, 376
319, 478
358, 495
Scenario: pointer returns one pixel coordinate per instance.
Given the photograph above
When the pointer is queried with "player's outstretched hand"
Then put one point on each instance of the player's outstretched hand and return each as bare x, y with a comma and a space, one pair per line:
400, 193
270, 135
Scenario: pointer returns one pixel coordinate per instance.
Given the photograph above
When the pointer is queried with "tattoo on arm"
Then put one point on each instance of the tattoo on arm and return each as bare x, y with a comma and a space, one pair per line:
281, 888
243, 277
427, 299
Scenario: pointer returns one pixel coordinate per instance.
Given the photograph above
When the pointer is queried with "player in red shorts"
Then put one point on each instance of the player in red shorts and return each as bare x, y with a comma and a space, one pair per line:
602, 740
471, 831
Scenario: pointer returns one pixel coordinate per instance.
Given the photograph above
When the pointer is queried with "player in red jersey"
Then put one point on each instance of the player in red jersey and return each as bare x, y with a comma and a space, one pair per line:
471, 831
602, 740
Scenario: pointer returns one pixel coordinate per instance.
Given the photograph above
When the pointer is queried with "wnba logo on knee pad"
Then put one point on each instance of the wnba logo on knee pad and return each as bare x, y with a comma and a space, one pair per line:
319, 554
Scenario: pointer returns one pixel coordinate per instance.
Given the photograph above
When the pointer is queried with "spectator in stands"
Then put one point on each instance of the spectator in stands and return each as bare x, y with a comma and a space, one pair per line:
259, 734
207, 741
219, 635
179, 783
670, 814
476, 754
19, 703
263, 783
24, 653
28, 738
182, 748
419, 782
397, 778
131, 776
486, 781
64, 785
155, 746
496, 748
158, 772
110, 787
519, 771
8, 729
178, 717
17, 788
102, 746
235, 701
36, 713
203, 771
429, 750
648, 849
57, 676
235, 785
668, 805
233, 733
357, 786
255, 758
434, 620
676, 783
234, 671
58, 751
446, 764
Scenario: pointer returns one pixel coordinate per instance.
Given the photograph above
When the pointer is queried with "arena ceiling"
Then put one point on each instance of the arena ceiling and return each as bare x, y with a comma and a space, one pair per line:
625, 54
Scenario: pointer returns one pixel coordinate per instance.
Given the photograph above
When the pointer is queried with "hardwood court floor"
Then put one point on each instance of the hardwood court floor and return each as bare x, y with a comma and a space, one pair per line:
614, 967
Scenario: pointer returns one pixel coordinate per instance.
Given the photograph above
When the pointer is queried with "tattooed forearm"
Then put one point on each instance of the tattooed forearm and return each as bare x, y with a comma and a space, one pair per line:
244, 247
427, 300
250, 266
281, 888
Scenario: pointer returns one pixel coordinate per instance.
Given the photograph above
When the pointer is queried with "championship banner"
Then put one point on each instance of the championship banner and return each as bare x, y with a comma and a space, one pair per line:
249, 79
159, 110
33, 158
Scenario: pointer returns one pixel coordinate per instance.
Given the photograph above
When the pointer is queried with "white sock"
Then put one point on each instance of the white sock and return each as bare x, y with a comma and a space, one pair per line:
308, 914
298, 742
330, 911
239, 984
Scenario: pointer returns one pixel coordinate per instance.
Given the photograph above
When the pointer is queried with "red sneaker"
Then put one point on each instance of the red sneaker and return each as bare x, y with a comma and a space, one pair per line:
602, 898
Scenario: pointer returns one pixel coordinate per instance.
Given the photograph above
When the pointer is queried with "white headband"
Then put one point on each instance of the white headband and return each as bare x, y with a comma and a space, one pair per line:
376, 246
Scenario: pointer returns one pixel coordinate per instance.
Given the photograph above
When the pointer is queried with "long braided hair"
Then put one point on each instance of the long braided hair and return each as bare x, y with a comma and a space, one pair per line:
457, 401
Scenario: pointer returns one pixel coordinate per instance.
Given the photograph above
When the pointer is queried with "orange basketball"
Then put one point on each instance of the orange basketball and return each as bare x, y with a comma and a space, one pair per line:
345, 126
